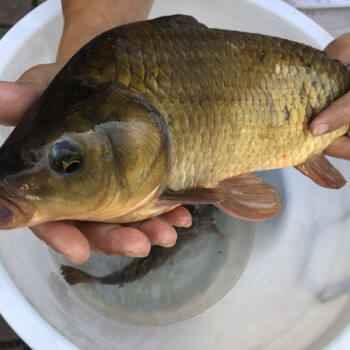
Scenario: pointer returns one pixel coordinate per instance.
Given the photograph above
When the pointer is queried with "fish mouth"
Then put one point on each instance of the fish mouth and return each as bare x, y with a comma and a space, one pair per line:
15, 211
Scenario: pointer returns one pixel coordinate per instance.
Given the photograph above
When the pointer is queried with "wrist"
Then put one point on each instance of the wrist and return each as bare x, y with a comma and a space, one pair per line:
85, 19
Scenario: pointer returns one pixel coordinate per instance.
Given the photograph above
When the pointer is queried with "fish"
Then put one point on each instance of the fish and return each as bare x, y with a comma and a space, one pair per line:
158, 113
204, 224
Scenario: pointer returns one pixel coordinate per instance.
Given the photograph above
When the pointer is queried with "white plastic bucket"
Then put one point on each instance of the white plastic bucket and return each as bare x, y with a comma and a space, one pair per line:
294, 291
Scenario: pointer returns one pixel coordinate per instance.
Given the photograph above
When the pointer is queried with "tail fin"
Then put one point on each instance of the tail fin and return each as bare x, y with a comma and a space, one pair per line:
74, 276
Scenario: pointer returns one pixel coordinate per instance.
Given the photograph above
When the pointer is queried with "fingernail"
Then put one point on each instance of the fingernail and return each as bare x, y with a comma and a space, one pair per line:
319, 129
134, 254
184, 222
76, 260
165, 245
188, 224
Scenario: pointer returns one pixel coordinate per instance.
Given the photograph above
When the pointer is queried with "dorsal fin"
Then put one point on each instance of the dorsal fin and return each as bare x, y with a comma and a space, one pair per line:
181, 20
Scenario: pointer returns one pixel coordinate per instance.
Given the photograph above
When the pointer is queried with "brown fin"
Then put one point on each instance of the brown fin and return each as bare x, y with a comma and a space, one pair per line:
181, 20
193, 196
321, 171
248, 197
74, 276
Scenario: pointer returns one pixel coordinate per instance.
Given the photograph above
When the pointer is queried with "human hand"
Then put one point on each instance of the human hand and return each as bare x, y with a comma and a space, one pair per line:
18, 100
338, 113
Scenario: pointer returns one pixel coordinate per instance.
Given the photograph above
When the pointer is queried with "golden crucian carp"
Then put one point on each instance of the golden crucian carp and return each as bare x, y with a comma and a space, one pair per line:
154, 114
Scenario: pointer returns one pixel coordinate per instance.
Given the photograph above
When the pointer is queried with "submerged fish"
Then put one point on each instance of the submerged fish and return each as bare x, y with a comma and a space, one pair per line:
203, 224
154, 114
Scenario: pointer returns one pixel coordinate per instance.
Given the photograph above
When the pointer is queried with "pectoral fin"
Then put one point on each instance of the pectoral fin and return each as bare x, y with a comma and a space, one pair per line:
248, 197
245, 196
193, 196
321, 171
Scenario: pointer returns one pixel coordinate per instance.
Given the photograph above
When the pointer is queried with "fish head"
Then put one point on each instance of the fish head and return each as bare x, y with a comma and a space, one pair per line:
96, 159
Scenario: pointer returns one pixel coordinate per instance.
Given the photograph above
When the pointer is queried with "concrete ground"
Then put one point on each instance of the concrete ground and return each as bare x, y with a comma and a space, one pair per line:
334, 20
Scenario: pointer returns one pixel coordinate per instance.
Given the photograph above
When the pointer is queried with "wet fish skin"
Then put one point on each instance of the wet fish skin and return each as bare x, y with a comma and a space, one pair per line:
250, 97
203, 225
170, 107
134, 271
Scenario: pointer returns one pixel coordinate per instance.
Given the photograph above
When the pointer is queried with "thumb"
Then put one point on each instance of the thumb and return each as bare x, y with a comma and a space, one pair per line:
338, 113
16, 99
339, 49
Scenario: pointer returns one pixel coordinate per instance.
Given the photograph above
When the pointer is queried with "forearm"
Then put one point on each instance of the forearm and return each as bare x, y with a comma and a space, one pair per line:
85, 19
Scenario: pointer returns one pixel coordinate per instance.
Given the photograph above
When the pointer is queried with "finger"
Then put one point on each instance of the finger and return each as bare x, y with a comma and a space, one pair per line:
15, 102
157, 231
16, 99
113, 239
339, 49
40, 76
332, 118
339, 148
179, 216
64, 238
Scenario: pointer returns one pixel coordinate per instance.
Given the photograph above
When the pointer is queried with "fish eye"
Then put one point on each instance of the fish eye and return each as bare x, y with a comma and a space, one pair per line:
66, 157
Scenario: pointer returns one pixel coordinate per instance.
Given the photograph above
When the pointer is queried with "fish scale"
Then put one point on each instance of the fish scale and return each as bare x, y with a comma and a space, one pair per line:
154, 114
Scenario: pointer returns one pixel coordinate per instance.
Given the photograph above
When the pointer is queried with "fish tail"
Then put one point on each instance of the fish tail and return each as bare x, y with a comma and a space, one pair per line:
74, 276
